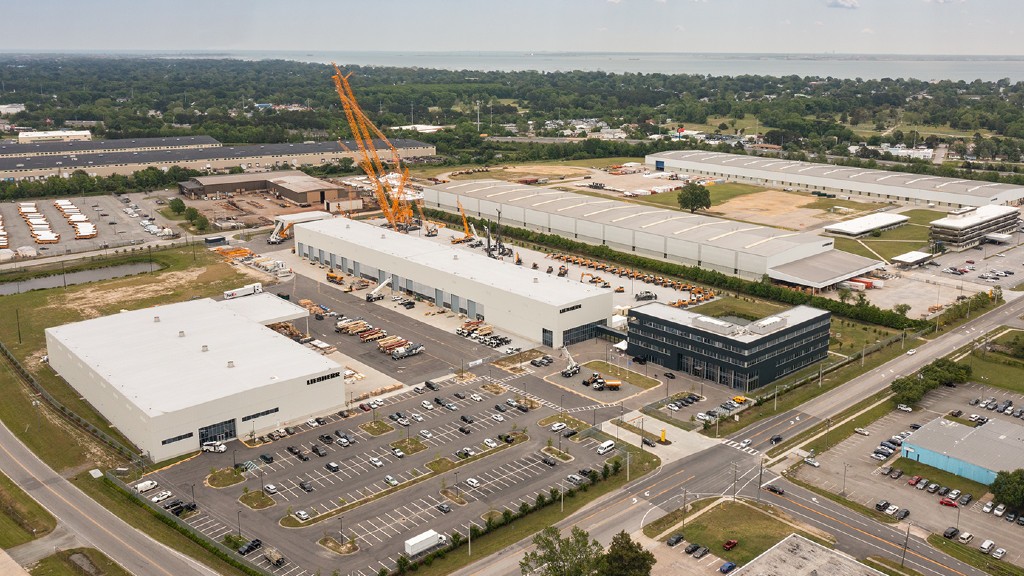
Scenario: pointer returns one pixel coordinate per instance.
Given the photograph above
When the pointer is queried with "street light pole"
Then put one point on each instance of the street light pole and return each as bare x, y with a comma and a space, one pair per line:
760, 478
341, 528
457, 484
239, 519
845, 468
905, 542
234, 462
193, 494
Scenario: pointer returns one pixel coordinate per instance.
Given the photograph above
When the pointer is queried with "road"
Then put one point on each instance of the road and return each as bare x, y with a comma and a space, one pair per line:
89, 521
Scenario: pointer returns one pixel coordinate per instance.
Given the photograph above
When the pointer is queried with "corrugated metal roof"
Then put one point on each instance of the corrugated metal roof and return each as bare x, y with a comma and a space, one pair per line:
998, 445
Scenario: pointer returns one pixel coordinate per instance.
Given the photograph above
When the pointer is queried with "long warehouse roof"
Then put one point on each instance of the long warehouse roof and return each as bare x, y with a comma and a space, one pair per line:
93, 146
846, 177
503, 276
169, 157
741, 237
131, 351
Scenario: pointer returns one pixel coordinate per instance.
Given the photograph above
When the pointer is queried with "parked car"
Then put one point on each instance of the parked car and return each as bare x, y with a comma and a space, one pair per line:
674, 539
691, 548
727, 567
948, 502
730, 544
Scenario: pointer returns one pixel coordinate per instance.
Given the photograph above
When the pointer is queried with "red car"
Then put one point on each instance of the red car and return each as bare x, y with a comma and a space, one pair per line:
948, 502
913, 481
364, 407
730, 544
970, 261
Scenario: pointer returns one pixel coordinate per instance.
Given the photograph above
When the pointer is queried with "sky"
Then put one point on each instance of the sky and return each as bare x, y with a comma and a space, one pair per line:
958, 27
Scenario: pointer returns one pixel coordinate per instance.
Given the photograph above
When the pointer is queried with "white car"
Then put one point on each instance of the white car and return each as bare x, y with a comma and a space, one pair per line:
312, 423
390, 480
673, 406
473, 482
702, 417
161, 496
416, 416
376, 403
745, 443
376, 462
270, 489
398, 453
904, 408
469, 452
811, 462
426, 433
302, 515
476, 397
557, 426
892, 509
878, 457
490, 443
912, 351
1000, 552
862, 431
497, 418
418, 389
427, 405
1000, 510
988, 507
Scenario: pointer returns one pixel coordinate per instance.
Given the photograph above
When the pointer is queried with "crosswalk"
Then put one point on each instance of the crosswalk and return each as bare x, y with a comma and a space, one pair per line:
735, 444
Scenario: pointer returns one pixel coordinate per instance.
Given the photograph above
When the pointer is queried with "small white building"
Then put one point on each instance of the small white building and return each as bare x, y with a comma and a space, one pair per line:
54, 136
530, 303
172, 377
867, 224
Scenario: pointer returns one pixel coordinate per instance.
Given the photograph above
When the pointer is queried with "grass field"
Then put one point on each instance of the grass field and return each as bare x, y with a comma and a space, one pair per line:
720, 194
853, 247
940, 477
377, 427
887, 249
655, 528
755, 530
890, 567
997, 370
21, 518
60, 564
257, 500
634, 378
224, 477
923, 217
409, 445
746, 308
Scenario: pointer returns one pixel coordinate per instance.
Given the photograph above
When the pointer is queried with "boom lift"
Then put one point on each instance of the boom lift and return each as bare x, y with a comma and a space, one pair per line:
373, 295
280, 233
465, 226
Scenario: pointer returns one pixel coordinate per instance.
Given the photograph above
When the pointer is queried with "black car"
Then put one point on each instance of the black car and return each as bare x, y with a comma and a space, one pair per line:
950, 533
670, 376
306, 486
775, 489
439, 401
499, 407
267, 458
956, 413
548, 460
648, 442
319, 450
172, 504
465, 429
915, 426
639, 360
344, 413
431, 386
944, 490
250, 546
882, 505
691, 548
460, 395
701, 552
569, 433
585, 472
674, 539
466, 418
522, 407
506, 438
693, 397
294, 450
393, 417
966, 499
303, 456
290, 430
903, 513
326, 438
321, 420
444, 507
776, 439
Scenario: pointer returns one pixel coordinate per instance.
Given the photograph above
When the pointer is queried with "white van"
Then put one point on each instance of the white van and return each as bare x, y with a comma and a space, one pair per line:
214, 447
987, 546
606, 447
145, 486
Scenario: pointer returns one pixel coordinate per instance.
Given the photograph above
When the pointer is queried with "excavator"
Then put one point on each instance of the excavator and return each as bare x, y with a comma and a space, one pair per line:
467, 236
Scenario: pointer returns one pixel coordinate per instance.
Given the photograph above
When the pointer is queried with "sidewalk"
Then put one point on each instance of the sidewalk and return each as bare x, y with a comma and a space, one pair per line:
683, 442
31, 552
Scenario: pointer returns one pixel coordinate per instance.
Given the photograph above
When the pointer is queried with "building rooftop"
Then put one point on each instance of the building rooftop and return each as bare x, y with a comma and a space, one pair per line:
865, 224
294, 180
265, 308
998, 445
824, 269
92, 146
503, 276
795, 555
169, 157
741, 237
133, 352
968, 217
741, 333
913, 257
938, 188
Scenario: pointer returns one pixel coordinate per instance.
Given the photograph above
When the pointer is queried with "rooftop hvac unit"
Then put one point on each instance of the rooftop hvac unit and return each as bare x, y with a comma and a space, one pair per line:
767, 325
715, 325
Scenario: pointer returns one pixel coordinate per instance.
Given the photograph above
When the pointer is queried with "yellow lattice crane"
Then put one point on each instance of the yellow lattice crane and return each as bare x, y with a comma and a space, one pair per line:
465, 226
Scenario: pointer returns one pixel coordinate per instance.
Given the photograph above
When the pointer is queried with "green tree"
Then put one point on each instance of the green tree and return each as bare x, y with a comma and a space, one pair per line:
694, 197
844, 295
1008, 488
191, 214
576, 555
901, 309
202, 223
626, 558
177, 205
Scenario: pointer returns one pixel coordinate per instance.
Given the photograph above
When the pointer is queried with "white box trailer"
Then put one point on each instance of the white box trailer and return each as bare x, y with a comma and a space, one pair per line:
426, 541
247, 290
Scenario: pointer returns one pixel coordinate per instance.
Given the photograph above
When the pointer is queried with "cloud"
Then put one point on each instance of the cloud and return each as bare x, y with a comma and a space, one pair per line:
867, 31
943, 1
849, 4
819, 23
614, 1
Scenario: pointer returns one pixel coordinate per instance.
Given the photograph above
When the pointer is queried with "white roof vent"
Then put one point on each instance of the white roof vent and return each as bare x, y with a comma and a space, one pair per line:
181, 333
156, 318
231, 363
455, 256
536, 280
206, 348
382, 236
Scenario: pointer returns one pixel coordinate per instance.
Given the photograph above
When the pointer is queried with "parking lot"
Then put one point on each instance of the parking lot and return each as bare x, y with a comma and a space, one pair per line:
866, 485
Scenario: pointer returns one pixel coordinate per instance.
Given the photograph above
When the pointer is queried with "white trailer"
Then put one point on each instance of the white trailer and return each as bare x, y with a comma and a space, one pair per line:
247, 290
426, 541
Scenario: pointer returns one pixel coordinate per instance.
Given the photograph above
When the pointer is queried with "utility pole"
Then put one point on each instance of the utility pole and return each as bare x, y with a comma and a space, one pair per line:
734, 479
478, 116
905, 542
828, 426
845, 468
760, 478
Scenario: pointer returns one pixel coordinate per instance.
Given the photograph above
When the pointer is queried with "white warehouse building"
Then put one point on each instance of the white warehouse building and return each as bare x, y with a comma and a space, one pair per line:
872, 184
736, 248
525, 302
172, 377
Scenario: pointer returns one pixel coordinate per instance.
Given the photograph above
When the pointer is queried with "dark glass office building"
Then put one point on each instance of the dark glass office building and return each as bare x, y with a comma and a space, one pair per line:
741, 356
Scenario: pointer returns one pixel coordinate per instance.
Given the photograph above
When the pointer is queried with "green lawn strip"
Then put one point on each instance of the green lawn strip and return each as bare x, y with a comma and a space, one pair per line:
870, 512
755, 530
146, 520
552, 451
224, 477
850, 336
838, 432
637, 430
634, 378
1007, 338
963, 421
797, 396
409, 445
257, 500
659, 526
21, 517
377, 427
994, 369
889, 249
940, 477
657, 414
890, 567
166, 212
907, 232
853, 247
441, 465
60, 564
971, 555
290, 521
923, 217
720, 193
523, 528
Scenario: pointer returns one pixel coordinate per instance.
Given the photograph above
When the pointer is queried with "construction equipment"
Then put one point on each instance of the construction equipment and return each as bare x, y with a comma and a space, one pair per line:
620, 289
373, 295
550, 269
430, 228
563, 271
519, 261
335, 278
613, 384
281, 233
646, 295
573, 368
467, 236
406, 351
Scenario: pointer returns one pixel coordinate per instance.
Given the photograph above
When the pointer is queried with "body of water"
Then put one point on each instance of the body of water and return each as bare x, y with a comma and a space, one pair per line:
864, 66
58, 280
